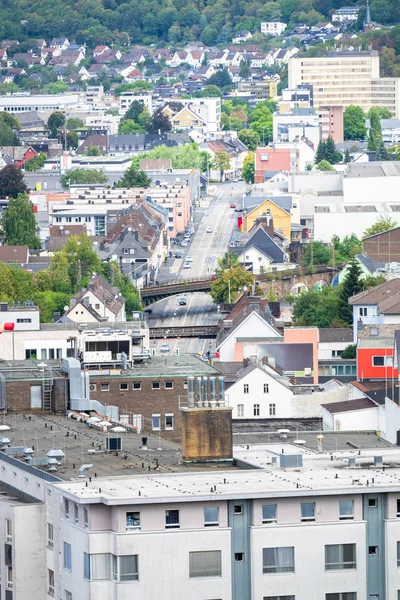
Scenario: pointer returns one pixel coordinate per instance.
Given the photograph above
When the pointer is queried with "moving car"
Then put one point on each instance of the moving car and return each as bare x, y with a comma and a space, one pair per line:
187, 265
165, 348
182, 301
233, 206
209, 230
148, 309
184, 242
189, 259
178, 255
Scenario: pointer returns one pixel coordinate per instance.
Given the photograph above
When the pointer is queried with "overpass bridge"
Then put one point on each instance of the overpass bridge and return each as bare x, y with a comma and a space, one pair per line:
154, 293
197, 331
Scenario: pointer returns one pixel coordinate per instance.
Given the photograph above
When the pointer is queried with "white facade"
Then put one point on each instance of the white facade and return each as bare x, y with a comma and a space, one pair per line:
126, 99
366, 419
208, 110
254, 326
275, 28
24, 318
63, 102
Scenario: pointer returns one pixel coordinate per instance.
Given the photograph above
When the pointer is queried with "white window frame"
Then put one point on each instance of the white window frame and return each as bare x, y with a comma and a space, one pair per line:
266, 519
172, 525
212, 569
240, 410
272, 410
136, 527
50, 580
85, 517
346, 516
256, 410
50, 535
266, 388
9, 537
169, 427
246, 388
305, 518
156, 415
116, 569
67, 556
208, 522
278, 566
340, 565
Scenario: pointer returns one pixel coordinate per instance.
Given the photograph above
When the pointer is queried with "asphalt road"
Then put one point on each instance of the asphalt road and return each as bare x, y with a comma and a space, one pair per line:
206, 247
199, 310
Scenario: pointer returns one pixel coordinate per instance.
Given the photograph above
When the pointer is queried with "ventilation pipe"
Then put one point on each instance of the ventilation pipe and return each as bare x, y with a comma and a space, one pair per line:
199, 392
190, 384
213, 402
205, 391
221, 391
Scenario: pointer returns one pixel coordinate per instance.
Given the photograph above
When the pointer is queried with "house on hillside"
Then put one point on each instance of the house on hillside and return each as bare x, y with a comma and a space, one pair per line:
99, 302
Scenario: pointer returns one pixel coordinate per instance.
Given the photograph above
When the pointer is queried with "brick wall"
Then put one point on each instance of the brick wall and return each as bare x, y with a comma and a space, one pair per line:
145, 401
206, 434
384, 247
19, 394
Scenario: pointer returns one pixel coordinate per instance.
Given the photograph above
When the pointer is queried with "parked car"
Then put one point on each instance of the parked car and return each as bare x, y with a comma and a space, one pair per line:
189, 259
233, 206
239, 209
187, 265
164, 348
209, 230
178, 254
184, 242
148, 309
182, 301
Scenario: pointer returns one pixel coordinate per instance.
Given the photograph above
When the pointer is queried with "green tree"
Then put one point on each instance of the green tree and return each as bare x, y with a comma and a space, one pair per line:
351, 285
93, 151
331, 154
375, 131
112, 273
75, 123
11, 182
80, 260
347, 158
211, 91
220, 79
315, 253
19, 223
36, 162
134, 111
318, 308
229, 283
382, 153
249, 138
159, 122
134, 177
54, 122
324, 165
383, 112
72, 140
129, 127
354, 123
7, 292
82, 176
248, 168
381, 224
137, 86
221, 162
346, 248
350, 351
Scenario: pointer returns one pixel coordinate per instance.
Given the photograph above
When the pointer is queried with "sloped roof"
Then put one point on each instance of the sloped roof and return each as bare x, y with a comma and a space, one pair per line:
349, 405
265, 244
380, 295
105, 292
334, 336
11, 254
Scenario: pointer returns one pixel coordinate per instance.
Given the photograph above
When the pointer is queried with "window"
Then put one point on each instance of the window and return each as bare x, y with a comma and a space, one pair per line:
240, 410
30, 354
67, 556
66, 508
86, 565
256, 410
76, 513
123, 386
398, 554
105, 387
340, 556
67, 595
205, 564
372, 502
59, 352
50, 577
362, 311
50, 535
246, 388
268, 513
137, 385
398, 508
272, 410
8, 530
341, 596
279, 598
156, 422
373, 550
169, 385
125, 568
382, 361
172, 519
85, 517
278, 560
346, 510
132, 520
266, 388
238, 509
239, 556
24, 320
43, 354
308, 511
155, 385
211, 516
51, 353
169, 421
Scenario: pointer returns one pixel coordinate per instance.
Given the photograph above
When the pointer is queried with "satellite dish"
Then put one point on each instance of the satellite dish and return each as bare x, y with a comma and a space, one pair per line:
61, 227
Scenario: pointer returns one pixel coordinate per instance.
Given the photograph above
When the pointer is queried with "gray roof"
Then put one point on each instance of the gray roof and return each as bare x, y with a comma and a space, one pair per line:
341, 334
369, 263
349, 405
251, 202
266, 245
373, 169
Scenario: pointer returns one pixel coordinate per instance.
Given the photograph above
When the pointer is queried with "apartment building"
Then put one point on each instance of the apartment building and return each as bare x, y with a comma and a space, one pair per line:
117, 528
274, 28
126, 99
40, 103
261, 90
344, 78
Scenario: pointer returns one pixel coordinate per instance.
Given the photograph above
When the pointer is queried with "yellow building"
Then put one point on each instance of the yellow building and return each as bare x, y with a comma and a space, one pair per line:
184, 119
281, 218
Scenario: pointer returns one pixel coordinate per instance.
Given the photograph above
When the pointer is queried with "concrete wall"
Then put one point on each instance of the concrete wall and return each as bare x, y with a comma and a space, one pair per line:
309, 405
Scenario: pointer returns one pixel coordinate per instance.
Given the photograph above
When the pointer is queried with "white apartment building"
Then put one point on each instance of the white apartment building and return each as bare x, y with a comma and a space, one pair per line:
273, 28
344, 78
298, 524
126, 99
42, 103
299, 123
25, 317
209, 111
